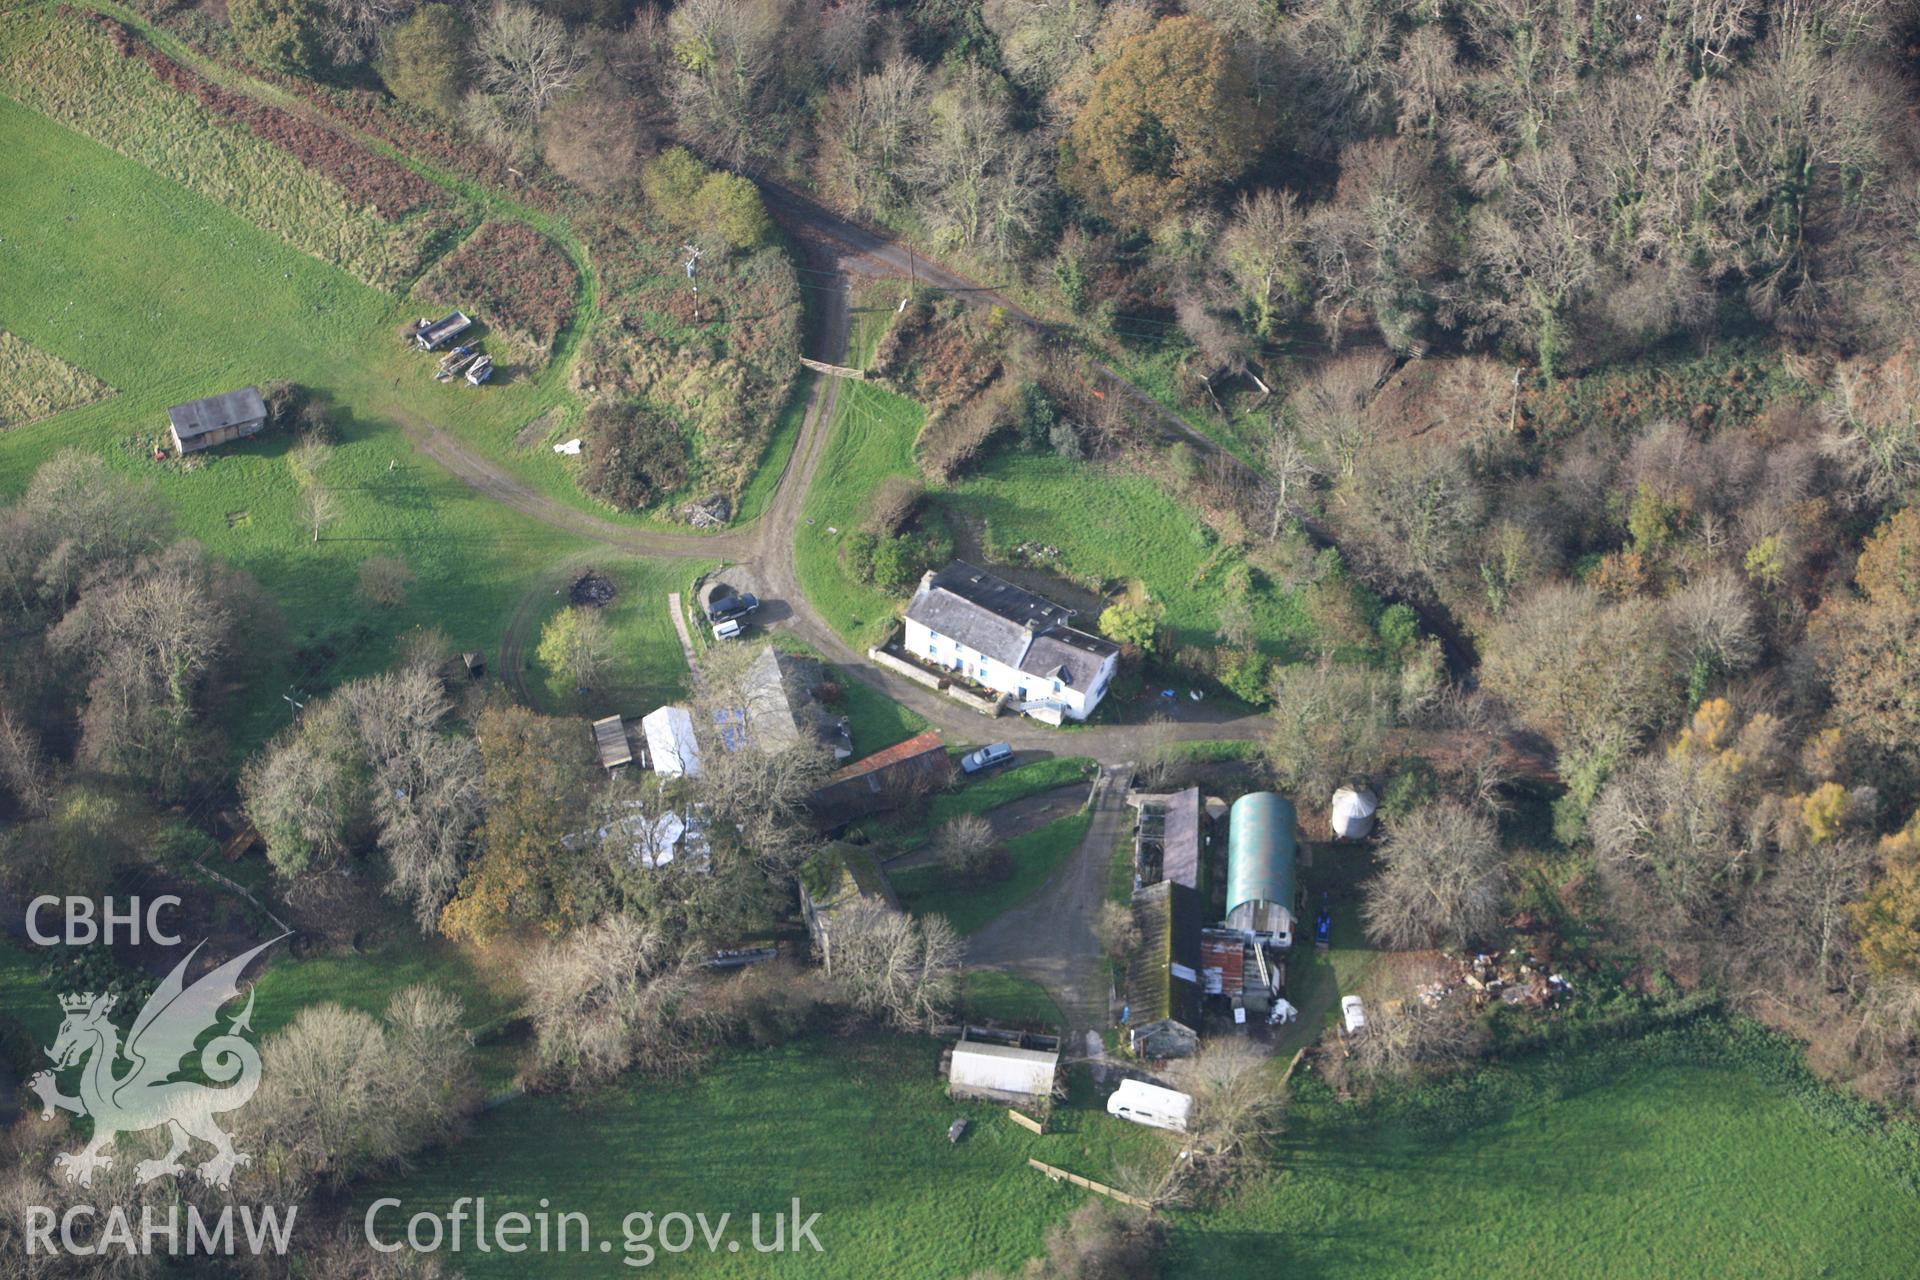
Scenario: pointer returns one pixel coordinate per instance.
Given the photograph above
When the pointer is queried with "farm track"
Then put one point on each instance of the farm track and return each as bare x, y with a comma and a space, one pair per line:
1050, 938
836, 250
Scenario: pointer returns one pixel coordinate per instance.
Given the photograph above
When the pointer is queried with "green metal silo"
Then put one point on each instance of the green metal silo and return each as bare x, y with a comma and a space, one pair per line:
1261, 850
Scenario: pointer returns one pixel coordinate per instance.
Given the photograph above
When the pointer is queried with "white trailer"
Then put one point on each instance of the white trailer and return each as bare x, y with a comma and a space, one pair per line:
1149, 1104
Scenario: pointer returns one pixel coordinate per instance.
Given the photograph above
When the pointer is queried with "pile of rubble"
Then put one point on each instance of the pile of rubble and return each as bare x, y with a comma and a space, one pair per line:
708, 513
592, 589
1516, 978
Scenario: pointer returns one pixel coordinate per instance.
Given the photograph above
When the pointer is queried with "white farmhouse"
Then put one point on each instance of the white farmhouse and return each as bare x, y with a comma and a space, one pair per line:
965, 620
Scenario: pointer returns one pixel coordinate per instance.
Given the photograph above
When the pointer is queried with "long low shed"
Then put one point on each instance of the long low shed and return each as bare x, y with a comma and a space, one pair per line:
201, 424
1261, 851
610, 740
1001, 1073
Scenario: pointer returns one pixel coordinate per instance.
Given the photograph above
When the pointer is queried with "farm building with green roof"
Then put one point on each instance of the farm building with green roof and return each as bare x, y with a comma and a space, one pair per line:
1261, 850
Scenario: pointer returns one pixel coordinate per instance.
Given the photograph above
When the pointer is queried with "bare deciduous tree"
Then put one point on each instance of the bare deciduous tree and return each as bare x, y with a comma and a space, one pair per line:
1440, 880
980, 179
1290, 474
1713, 617
351, 29
1596, 677
1330, 722
1416, 1036
754, 794
152, 640
870, 135
1236, 1105
384, 581
24, 769
1262, 253
965, 846
728, 84
893, 966
75, 516
615, 996
427, 785
1331, 409
343, 1093
524, 59
1670, 842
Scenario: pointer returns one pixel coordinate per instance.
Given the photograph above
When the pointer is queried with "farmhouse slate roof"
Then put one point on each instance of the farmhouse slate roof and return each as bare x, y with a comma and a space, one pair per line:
1072, 657
1013, 626
216, 413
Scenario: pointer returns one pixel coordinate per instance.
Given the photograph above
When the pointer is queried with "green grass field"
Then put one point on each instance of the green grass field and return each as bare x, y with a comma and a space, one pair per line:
1109, 526
871, 438
368, 980
856, 1127
108, 267
1036, 856
1664, 1170
982, 795
987, 995
644, 665
1116, 526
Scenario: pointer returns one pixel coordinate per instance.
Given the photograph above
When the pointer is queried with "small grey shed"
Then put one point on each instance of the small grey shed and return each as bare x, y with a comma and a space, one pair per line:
201, 424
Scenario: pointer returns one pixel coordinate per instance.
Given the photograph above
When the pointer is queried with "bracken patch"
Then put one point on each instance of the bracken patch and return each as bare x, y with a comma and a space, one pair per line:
520, 282
386, 186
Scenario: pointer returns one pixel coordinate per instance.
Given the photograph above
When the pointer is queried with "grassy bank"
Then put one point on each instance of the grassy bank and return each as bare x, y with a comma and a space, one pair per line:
1035, 857
644, 666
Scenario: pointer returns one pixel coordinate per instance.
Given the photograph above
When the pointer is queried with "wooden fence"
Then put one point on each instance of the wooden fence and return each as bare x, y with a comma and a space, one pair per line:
1098, 1188
1298, 1054
1025, 1122
834, 370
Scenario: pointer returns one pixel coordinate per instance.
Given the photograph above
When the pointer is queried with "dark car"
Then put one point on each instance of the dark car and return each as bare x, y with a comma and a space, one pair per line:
732, 607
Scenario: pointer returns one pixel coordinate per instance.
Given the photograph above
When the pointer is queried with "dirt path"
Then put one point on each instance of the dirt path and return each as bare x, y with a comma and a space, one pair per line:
679, 614
1050, 937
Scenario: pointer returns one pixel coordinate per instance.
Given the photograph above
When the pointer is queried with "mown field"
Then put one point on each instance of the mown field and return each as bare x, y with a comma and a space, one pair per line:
978, 795
871, 438
856, 1127
1663, 1172
644, 666
1005, 999
1667, 1169
1106, 526
1113, 526
166, 296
